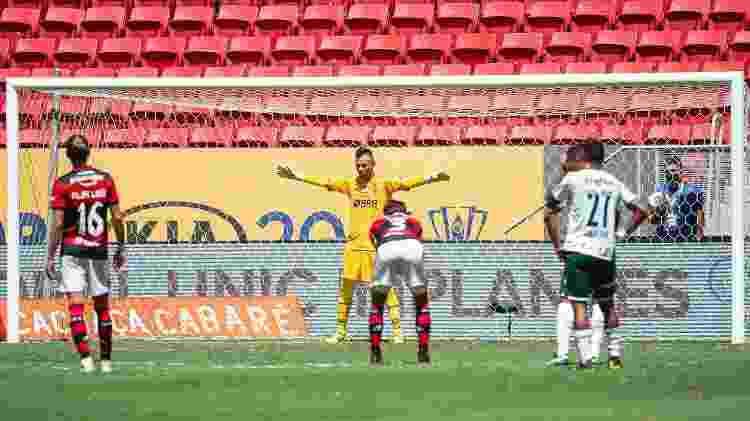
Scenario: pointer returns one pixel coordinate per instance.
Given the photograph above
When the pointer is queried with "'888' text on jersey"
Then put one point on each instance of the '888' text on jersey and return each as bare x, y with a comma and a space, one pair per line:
593, 200
86, 195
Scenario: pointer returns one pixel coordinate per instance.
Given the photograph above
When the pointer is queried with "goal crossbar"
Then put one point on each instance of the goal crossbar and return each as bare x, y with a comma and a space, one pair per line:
734, 80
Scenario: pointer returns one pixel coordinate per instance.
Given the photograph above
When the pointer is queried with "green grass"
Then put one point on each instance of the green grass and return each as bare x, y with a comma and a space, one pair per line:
206, 381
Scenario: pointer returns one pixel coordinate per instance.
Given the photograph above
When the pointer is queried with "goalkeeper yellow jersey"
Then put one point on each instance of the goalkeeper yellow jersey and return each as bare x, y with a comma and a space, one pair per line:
366, 203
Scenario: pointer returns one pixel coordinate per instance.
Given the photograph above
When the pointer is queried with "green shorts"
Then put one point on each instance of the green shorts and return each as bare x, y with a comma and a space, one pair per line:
585, 277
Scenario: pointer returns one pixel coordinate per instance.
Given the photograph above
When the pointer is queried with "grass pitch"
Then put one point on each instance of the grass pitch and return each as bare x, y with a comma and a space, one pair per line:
305, 382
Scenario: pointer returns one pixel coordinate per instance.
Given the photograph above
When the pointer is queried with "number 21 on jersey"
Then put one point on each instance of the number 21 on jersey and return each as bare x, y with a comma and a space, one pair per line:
599, 204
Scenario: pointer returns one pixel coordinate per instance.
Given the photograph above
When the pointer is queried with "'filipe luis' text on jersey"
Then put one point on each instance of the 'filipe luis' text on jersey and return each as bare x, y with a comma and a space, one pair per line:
593, 200
86, 195
397, 226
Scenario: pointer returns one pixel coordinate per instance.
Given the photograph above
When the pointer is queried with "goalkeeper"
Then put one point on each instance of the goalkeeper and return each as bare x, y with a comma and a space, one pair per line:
367, 197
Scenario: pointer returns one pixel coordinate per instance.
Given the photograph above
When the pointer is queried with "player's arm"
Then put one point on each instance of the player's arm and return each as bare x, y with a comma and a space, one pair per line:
373, 233
414, 182
700, 215
340, 185
553, 202
118, 226
55, 233
641, 212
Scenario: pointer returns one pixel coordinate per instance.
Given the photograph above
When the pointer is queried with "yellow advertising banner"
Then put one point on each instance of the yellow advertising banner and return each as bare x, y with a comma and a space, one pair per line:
235, 195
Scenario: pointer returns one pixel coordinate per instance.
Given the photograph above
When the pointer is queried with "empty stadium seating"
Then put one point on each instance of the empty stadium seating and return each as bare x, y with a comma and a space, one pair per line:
249, 38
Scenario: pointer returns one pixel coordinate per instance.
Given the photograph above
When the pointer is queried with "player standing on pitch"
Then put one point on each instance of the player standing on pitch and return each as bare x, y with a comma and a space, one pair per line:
593, 200
80, 201
397, 237
367, 196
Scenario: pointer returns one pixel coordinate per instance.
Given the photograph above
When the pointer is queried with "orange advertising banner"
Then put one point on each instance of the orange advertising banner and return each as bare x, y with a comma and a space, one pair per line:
170, 317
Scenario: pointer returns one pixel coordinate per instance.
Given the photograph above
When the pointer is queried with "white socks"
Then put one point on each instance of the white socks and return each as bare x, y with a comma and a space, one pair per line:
565, 318
597, 330
615, 344
583, 345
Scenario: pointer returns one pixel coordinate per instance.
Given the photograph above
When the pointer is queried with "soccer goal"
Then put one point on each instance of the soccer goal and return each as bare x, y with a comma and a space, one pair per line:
218, 246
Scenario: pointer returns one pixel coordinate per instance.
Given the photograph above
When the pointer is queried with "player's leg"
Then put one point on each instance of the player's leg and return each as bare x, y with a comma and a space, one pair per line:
391, 300
99, 279
597, 331
73, 282
604, 296
578, 288
565, 319
413, 263
379, 291
351, 273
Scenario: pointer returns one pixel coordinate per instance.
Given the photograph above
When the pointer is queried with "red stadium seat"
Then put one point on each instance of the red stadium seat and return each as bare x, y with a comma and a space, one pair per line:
668, 134
555, 107
457, 18
256, 137
74, 53
34, 52
565, 47
521, 47
411, 18
700, 46
111, 3
502, 17
366, 19
119, 52
340, 50
574, 133
723, 66
103, 22
438, 136
145, 114
658, 46
191, 21
484, 135
672, 67
253, 51
347, 136
614, 46
4, 51
50, 72
96, 72
211, 137
429, 48
138, 72
301, 137
205, 51
162, 52
687, 15
405, 70
26, 4
14, 72
640, 15
548, 17
19, 23
394, 135
541, 68
146, 22
182, 71
360, 70
322, 19
294, 51
495, 69
235, 20
450, 70
639, 67
269, 71
152, 3
325, 71
243, 2
166, 138
124, 138
474, 48
728, 15
202, 3
225, 71
384, 49
622, 134
277, 20
61, 22
530, 135
592, 16
593, 67
702, 134
739, 47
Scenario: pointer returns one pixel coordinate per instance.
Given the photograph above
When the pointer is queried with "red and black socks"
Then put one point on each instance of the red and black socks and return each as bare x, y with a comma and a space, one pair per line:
376, 325
105, 333
78, 330
424, 322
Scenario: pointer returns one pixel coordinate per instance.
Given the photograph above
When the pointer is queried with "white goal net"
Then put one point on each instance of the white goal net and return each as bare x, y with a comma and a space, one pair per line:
219, 246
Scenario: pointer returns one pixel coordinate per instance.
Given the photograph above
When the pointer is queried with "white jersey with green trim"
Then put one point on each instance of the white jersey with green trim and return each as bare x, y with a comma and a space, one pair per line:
593, 201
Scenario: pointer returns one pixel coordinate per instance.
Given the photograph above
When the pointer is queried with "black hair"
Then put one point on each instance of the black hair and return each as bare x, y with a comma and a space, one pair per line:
77, 149
673, 160
587, 152
362, 151
394, 206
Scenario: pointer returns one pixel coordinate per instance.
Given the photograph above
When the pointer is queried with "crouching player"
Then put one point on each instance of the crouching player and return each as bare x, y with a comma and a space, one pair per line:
594, 201
397, 236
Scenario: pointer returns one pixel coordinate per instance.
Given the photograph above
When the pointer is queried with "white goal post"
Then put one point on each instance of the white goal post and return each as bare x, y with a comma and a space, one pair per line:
734, 80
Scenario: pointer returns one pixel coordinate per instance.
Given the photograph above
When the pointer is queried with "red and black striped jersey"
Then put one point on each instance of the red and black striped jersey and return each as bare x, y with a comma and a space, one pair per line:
85, 194
398, 226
